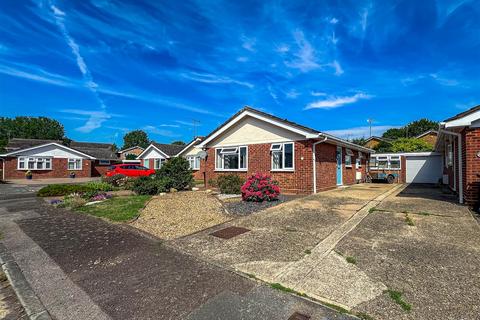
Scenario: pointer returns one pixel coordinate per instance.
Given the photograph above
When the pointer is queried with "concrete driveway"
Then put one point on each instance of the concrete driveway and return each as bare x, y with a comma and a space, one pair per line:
72, 266
349, 246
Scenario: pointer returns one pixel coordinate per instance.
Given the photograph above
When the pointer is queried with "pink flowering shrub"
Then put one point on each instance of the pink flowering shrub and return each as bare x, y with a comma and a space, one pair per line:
260, 187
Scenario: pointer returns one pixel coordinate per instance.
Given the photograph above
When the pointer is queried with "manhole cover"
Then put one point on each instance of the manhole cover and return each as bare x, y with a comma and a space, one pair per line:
229, 232
299, 316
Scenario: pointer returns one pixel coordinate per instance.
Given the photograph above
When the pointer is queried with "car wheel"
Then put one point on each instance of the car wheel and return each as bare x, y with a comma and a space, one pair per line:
390, 179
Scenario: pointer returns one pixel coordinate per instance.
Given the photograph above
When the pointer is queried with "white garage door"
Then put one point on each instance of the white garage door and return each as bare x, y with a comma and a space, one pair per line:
424, 169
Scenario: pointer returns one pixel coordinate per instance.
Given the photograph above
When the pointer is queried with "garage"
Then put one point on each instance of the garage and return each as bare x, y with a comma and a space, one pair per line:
425, 167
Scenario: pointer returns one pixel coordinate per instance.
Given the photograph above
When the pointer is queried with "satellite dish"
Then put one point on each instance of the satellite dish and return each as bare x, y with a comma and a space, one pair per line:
202, 154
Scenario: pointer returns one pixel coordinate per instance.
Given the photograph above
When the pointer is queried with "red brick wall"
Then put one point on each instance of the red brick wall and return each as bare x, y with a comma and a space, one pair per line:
301, 180
471, 165
59, 170
298, 181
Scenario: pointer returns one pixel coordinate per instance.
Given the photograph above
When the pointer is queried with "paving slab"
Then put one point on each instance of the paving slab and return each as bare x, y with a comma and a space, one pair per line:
435, 262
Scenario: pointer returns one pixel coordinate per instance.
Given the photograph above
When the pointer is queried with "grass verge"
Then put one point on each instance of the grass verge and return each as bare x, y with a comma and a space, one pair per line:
117, 209
397, 297
409, 220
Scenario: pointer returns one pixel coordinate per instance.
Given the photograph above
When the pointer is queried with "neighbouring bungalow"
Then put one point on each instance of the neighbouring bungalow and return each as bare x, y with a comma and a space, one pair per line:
56, 159
374, 141
157, 153
191, 152
134, 151
429, 137
301, 159
459, 143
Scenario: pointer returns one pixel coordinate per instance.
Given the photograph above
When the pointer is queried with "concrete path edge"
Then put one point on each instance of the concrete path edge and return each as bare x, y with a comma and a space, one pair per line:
29, 300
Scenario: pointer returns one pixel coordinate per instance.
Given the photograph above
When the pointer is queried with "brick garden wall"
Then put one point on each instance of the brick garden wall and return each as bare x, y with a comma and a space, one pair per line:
471, 165
59, 170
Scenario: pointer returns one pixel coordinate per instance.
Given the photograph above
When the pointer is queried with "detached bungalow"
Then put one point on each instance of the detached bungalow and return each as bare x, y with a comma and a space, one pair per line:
459, 143
56, 159
302, 159
157, 153
134, 151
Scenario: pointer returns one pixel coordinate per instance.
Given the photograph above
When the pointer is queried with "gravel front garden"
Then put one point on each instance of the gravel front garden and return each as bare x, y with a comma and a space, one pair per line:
178, 214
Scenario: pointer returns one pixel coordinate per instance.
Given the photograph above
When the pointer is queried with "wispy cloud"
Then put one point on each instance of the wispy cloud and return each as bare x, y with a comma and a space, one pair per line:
318, 94
305, 59
160, 132
360, 132
336, 102
95, 119
248, 43
212, 78
292, 94
272, 93
443, 80
189, 124
39, 75
337, 67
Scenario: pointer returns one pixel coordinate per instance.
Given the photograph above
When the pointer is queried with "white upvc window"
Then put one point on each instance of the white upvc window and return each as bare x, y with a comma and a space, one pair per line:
394, 162
231, 158
34, 163
194, 162
348, 158
386, 162
358, 163
282, 156
158, 163
74, 164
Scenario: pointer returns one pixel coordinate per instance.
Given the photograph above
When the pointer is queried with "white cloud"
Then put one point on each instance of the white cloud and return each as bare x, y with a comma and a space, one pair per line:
292, 94
272, 93
57, 11
169, 125
360, 132
305, 56
338, 68
333, 20
161, 132
336, 102
94, 118
212, 78
248, 43
318, 94
186, 123
443, 80
283, 48
242, 59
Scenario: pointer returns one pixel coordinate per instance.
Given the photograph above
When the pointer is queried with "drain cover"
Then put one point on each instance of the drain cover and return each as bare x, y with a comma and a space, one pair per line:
299, 316
229, 232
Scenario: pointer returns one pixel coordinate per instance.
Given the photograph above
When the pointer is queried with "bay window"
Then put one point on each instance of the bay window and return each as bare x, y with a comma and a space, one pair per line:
194, 162
74, 164
34, 163
282, 156
231, 158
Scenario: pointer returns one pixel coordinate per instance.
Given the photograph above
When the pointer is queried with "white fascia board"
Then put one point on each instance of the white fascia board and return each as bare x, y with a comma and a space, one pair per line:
61, 146
345, 143
308, 135
408, 154
154, 147
187, 147
463, 122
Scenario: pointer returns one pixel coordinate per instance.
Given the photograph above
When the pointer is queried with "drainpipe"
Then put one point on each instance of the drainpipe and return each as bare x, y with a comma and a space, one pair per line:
460, 163
314, 164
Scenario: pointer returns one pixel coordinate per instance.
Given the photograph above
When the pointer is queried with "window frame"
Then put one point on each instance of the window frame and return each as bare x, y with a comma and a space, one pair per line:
26, 159
161, 161
282, 150
238, 151
104, 162
348, 164
74, 162
387, 158
358, 162
193, 159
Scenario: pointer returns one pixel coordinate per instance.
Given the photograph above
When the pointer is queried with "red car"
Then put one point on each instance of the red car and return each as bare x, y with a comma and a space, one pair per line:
129, 170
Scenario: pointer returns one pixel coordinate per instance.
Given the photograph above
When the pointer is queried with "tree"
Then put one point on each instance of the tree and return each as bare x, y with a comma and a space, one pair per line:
410, 145
179, 143
30, 128
135, 138
383, 146
394, 133
418, 127
131, 156
359, 141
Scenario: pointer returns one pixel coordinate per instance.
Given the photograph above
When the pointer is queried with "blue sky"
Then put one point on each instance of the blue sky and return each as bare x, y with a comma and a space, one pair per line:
105, 67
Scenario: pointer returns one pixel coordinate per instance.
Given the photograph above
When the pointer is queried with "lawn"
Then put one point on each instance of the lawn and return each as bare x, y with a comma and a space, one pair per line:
117, 208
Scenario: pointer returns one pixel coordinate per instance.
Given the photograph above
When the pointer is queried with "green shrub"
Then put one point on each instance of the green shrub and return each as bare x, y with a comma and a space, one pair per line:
177, 170
212, 183
62, 189
73, 201
99, 186
151, 186
118, 180
230, 183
